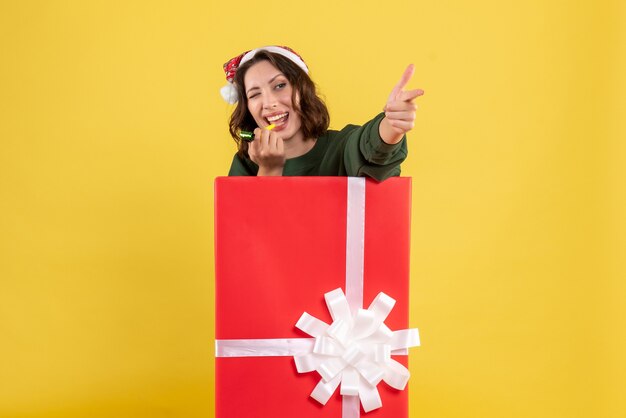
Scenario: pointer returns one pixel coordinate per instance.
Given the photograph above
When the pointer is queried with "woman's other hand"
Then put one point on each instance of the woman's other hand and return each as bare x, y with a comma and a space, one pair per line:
399, 110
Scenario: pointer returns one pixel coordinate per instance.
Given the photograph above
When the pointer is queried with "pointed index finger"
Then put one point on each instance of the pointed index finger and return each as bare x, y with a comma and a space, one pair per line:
406, 77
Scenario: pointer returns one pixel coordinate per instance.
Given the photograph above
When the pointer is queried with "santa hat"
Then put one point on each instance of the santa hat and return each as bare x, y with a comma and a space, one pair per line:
229, 92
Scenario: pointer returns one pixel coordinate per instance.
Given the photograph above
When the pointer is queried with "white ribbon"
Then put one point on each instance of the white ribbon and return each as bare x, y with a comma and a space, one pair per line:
264, 348
355, 242
355, 350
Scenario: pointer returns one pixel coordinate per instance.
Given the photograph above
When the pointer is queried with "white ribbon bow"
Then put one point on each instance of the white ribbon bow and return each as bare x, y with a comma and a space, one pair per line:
355, 351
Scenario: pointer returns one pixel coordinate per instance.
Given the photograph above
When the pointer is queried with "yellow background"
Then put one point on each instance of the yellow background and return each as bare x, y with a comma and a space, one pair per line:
112, 131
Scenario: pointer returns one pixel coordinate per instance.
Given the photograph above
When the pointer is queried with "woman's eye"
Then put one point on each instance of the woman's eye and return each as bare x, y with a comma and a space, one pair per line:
253, 96
281, 85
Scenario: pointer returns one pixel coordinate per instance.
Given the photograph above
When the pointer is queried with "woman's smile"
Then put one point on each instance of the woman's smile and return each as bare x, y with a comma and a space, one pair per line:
278, 119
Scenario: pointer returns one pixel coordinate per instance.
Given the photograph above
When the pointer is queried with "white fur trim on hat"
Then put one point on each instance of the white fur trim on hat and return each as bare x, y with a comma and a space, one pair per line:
277, 50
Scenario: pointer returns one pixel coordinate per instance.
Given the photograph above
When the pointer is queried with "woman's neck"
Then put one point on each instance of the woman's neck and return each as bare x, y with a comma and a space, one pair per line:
298, 146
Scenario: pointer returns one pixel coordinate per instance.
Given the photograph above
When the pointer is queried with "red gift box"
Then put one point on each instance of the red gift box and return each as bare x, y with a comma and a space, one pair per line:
281, 244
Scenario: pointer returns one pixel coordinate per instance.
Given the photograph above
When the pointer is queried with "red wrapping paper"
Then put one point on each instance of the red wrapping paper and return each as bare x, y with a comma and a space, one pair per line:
280, 245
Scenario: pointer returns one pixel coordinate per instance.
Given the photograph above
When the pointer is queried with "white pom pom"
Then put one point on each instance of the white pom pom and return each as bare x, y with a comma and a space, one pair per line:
229, 93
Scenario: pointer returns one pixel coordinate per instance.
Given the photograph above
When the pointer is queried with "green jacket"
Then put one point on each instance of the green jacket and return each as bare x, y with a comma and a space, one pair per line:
353, 151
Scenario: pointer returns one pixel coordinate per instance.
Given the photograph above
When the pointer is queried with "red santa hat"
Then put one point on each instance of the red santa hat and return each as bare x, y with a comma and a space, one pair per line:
229, 92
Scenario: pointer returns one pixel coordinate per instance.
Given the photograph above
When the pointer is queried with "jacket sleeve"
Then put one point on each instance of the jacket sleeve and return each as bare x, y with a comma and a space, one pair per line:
366, 154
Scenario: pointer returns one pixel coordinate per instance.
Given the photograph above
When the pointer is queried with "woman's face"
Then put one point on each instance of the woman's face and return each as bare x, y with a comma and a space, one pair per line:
269, 100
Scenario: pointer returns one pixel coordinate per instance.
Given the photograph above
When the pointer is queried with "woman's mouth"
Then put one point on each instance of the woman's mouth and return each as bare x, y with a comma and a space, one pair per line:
279, 119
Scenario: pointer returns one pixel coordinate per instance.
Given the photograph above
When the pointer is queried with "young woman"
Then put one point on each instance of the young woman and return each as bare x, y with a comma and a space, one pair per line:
272, 88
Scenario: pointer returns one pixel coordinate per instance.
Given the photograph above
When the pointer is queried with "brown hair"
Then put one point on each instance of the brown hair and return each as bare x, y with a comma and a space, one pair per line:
310, 107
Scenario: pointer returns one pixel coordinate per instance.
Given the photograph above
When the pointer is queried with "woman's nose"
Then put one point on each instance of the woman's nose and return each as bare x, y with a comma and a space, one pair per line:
269, 101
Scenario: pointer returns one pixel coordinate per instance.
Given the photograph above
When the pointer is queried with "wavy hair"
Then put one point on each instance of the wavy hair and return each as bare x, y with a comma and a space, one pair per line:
310, 107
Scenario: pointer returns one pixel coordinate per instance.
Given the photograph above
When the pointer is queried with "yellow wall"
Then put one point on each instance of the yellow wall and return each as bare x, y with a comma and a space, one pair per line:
112, 130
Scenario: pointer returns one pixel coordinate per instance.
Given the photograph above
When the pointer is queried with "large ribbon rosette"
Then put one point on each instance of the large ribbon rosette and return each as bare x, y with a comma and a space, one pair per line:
355, 351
